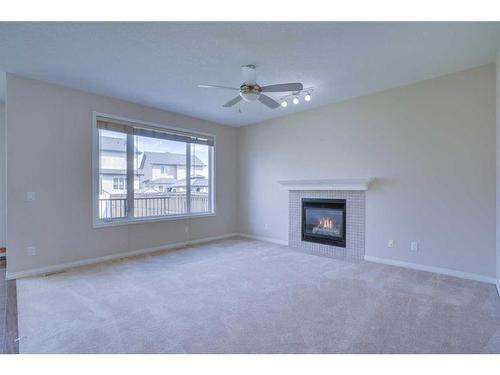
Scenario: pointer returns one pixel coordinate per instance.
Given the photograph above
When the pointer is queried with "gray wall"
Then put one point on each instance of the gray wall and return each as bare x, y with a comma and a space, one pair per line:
498, 170
2, 174
49, 130
431, 146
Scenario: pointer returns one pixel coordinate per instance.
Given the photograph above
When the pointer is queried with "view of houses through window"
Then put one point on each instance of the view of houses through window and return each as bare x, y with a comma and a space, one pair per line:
170, 176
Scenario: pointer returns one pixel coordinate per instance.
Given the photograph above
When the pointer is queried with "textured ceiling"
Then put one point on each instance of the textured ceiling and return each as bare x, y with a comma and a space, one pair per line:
160, 64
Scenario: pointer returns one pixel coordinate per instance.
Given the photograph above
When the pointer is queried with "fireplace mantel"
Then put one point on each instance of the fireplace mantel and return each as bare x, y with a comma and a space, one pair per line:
360, 184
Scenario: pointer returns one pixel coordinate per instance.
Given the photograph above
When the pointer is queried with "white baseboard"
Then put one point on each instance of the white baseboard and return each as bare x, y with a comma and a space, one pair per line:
443, 271
85, 262
265, 239
69, 265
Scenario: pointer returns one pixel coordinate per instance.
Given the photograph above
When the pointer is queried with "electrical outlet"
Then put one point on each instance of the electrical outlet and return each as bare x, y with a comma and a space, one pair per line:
414, 246
30, 196
390, 243
31, 251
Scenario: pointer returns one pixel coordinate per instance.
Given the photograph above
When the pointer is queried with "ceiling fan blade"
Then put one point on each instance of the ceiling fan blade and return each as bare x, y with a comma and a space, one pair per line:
269, 102
283, 87
232, 101
217, 87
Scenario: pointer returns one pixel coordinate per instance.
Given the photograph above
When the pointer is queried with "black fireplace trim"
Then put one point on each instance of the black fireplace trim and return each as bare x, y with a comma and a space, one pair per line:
324, 203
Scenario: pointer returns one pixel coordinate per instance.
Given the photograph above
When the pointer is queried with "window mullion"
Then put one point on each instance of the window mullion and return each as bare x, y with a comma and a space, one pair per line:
211, 195
130, 176
188, 177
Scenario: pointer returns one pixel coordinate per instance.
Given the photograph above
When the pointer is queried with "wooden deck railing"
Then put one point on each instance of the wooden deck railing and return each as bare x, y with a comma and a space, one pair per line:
113, 208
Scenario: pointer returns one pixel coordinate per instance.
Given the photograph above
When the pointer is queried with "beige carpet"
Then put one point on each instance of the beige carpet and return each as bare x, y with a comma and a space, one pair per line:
243, 296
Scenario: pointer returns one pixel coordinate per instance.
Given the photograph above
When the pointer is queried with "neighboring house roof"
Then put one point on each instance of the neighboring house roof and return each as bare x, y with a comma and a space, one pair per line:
113, 171
113, 144
164, 158
164, 180
118, 172
195, 182
168, 158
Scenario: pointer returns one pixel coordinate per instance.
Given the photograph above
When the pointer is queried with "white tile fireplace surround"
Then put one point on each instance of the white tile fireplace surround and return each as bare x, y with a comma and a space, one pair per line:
352, 190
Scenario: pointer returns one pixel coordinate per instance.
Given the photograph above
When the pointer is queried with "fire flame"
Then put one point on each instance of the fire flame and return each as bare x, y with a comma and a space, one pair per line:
327, 223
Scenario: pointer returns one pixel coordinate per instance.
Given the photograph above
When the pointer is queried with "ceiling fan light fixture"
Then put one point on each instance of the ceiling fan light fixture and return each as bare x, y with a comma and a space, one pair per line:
250, 93
307, 98
249, 96
284, 103
295, 100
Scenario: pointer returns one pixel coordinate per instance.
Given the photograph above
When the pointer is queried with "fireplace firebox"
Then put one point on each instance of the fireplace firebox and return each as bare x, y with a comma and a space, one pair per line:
324, 221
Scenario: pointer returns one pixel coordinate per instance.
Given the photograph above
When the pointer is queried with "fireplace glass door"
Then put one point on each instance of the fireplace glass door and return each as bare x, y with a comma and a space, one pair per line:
324, 221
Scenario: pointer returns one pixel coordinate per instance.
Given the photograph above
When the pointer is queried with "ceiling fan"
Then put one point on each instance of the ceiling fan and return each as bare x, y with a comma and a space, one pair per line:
251, 91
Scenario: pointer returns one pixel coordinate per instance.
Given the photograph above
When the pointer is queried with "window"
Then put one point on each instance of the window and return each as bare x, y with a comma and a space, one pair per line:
118, 183
167, 173
164, 169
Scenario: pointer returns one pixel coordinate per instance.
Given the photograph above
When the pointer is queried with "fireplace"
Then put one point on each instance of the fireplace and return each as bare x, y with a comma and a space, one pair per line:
324, 221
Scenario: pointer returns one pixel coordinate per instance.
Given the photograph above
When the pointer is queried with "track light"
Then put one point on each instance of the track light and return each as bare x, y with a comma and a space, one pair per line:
295, 97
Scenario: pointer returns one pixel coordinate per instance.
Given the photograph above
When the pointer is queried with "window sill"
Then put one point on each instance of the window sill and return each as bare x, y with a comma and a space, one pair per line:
118, 222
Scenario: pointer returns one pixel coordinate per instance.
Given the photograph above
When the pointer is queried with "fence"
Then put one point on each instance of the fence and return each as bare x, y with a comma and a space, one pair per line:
112, 208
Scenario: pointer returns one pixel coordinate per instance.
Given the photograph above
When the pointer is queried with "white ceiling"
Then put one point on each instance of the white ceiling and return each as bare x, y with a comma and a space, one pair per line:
160, 64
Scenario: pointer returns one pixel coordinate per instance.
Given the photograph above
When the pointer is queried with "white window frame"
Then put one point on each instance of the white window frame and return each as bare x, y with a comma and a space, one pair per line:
99, 223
